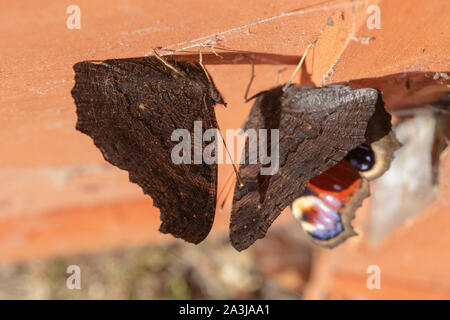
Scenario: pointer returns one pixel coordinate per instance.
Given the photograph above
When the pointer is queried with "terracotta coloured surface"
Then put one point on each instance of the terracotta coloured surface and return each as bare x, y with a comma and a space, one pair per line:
57, 194
413, 260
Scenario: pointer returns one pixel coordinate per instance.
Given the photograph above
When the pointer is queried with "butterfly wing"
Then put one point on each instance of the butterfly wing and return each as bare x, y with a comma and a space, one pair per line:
329, 202
130, 108
317, 127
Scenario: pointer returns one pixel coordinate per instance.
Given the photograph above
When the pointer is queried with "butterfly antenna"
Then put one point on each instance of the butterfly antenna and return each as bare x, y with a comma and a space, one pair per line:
222, 205
241, 184
297, 68
167, 64
238, 176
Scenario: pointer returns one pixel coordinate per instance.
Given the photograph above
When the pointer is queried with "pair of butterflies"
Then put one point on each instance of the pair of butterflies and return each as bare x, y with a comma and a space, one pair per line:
130, 108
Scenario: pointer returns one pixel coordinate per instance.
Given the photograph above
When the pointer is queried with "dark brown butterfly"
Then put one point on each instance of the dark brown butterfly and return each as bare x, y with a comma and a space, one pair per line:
130, 108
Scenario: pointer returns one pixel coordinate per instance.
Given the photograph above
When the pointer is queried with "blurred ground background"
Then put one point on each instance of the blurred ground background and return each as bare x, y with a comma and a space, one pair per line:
279, 269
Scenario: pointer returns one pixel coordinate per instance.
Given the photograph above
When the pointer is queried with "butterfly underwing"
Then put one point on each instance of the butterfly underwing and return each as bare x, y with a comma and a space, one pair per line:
130, 108
317, 126
328, 204
326, 207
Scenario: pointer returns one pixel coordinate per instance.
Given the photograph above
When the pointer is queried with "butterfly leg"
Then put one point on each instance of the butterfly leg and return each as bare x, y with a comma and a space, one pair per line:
230, 188
297, 68
168, 64
246, 99
252, 77
279, 72
238, 176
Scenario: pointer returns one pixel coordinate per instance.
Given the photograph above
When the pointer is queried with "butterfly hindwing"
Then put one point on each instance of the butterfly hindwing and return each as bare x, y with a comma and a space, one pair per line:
130, 108
328, 204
